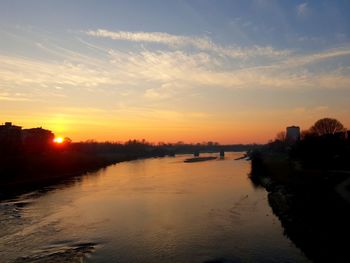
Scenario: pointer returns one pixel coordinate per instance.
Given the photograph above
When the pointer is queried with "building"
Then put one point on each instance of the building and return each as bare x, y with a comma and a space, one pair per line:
8, 128
10, 138
293, 133
37, 140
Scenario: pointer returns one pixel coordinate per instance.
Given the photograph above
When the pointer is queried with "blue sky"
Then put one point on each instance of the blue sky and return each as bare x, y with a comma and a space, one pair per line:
231, 71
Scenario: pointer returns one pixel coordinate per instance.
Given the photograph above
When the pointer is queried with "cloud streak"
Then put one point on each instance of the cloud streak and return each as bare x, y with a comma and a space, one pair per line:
316, 57
161, 74
5, 96
201, 43
26, 71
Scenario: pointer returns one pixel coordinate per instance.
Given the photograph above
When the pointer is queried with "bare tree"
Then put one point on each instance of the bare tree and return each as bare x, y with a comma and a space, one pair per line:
304, 134
281, 136
327, 126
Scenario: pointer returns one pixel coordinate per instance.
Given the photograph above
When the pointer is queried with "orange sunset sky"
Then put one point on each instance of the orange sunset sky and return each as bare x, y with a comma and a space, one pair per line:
191, 71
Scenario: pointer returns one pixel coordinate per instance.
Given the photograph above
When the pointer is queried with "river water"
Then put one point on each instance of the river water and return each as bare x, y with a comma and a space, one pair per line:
151, 210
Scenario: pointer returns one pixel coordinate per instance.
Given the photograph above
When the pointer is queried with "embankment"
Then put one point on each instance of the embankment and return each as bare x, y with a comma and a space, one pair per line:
314, 216
20, 175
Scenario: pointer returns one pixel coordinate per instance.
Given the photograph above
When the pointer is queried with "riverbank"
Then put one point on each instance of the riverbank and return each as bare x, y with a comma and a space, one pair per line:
36, 172
314, 215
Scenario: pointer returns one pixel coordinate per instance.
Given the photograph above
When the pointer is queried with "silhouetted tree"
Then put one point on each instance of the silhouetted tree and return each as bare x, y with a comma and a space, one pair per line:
67, 140
281, 136
305, 133
327, 126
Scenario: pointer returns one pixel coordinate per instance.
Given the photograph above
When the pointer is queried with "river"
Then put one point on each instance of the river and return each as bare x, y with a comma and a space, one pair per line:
150, 210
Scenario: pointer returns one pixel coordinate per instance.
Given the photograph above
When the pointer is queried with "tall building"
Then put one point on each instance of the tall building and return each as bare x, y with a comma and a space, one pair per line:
293, 133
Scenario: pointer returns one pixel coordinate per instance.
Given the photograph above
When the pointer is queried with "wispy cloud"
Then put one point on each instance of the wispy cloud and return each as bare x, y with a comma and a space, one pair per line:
201, 43
159, 73
27, 71
302, 60
200, 69
4, 96
302, 9
162, 74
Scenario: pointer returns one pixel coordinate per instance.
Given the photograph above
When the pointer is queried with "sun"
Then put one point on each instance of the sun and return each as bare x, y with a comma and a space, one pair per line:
58, 140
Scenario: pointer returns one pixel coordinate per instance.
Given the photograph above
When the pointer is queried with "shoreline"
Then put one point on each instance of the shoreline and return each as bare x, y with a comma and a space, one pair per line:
314, 216
43, 171
29, 181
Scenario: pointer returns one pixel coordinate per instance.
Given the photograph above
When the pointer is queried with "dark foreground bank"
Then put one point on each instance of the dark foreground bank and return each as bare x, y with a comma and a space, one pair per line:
311, 204
26, 174
30, 168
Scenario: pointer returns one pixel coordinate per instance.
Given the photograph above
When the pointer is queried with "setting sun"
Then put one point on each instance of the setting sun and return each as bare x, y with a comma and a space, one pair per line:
58, 140
174, 131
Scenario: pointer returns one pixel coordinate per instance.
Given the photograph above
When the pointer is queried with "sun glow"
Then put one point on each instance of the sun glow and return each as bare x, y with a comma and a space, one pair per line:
58, 140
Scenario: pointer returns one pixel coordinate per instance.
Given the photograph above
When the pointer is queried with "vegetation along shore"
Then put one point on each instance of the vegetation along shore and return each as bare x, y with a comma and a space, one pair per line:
308, 184
31, 158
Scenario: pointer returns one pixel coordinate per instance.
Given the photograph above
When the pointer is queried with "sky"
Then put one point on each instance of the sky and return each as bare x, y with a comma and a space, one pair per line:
168, 71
